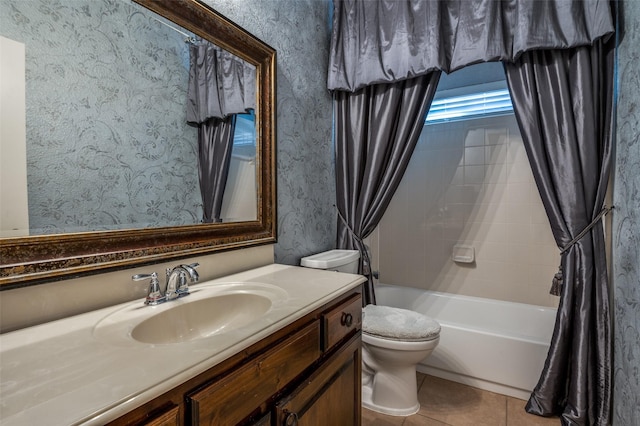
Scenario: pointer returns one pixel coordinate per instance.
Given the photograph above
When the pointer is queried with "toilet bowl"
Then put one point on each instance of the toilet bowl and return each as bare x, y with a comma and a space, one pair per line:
394, 341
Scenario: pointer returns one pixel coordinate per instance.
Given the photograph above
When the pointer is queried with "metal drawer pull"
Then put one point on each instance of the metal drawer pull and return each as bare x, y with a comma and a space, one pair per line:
291, 419
346, 319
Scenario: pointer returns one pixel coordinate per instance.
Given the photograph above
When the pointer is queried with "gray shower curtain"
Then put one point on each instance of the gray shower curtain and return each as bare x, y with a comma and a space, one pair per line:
215, 143
220, 86
377, 129
561, 85
563, 103
383, 41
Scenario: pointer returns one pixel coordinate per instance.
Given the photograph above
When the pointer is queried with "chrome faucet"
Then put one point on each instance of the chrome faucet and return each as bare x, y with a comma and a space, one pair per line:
178, 279
177, 284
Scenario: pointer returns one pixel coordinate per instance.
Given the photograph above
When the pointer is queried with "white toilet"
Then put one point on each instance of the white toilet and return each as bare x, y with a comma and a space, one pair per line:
394, 341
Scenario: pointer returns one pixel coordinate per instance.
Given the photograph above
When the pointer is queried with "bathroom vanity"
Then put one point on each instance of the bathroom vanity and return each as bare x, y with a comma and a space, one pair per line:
298, 361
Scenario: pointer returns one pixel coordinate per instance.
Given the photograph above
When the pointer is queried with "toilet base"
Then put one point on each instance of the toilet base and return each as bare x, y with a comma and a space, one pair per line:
389, 384
367, 402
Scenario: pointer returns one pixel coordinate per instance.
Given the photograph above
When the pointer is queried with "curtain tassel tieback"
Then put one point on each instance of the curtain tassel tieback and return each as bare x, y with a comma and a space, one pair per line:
366, 264
556, 283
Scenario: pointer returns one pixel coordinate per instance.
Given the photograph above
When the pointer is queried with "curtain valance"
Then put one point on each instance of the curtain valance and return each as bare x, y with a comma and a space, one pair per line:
381, 41
220, 83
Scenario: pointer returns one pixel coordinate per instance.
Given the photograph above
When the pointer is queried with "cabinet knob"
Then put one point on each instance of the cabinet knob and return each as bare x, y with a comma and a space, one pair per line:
346, 319
291, 419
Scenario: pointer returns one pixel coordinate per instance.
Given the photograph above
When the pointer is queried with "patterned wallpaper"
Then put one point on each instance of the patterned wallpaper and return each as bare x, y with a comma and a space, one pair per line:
298, 30
626, 224
99, 91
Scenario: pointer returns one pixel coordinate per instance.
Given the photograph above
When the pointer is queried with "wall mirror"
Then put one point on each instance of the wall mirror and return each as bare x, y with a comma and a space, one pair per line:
111, 164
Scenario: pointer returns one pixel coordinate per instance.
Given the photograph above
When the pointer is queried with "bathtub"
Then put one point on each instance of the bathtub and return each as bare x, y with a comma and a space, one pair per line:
489, 344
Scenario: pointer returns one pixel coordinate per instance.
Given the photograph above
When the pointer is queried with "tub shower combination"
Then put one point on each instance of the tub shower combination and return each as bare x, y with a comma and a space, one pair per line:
490, 344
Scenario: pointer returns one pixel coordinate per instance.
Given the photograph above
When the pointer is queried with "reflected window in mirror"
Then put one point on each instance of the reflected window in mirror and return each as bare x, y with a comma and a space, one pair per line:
238, 202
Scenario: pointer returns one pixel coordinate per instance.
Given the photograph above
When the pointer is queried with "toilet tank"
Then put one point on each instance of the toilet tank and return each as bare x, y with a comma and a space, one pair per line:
334, 260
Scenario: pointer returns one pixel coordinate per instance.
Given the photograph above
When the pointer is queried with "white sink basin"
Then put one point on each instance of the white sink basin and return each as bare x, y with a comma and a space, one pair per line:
210, 310
201, 318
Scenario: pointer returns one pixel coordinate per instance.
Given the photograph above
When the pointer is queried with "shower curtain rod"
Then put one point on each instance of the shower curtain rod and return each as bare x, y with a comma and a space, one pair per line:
188, 38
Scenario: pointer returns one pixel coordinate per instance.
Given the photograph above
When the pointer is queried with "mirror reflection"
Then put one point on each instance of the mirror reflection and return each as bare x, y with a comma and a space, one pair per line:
125, 121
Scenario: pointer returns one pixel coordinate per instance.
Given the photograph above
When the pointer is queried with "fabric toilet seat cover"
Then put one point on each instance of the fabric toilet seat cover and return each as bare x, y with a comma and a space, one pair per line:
398, 324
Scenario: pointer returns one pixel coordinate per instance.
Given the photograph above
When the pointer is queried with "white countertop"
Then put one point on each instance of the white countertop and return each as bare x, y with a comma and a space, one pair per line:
63, 373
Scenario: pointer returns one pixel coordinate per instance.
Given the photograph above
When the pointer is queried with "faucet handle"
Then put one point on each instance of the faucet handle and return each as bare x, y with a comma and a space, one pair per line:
189, 274
154, 295
191, 269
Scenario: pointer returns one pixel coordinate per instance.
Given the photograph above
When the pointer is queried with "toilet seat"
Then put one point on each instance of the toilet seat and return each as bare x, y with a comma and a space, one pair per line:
385, 322
399, 345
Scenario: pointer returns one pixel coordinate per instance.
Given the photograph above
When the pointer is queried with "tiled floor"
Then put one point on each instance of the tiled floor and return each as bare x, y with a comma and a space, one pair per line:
445, 403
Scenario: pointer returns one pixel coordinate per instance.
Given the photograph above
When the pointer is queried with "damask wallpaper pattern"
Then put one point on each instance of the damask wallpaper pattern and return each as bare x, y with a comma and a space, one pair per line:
626, 224
105, 116
299, 32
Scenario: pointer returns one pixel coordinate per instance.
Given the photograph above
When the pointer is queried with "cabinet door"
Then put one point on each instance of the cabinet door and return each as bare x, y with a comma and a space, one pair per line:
229, 400
331, 396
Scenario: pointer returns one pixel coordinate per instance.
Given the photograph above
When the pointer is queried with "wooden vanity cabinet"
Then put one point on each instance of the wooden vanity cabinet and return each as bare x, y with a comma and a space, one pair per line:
234, 397
308, 373
165, 416
327, 398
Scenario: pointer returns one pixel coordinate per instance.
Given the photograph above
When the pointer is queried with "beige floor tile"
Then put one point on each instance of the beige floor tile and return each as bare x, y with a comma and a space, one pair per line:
420, 378
371, 418
418, 420
516, 416
445, 403
459, 405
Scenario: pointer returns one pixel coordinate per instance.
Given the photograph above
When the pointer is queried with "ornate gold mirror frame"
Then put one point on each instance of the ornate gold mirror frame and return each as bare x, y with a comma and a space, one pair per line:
39, 259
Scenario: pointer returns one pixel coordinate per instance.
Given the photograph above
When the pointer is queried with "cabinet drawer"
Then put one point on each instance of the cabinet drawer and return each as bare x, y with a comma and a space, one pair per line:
168, 414
264, 421
342, 320
232, 398
170, 417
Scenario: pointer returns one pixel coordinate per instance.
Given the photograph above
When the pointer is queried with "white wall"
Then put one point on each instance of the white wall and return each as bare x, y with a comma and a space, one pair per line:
14, 208
240, 201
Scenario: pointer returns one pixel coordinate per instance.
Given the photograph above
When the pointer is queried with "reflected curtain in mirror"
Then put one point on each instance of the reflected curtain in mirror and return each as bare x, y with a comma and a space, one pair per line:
215, 143
220, 85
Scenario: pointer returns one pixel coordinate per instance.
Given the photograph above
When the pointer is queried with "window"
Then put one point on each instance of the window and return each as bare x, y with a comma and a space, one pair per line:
245, 131
475, 105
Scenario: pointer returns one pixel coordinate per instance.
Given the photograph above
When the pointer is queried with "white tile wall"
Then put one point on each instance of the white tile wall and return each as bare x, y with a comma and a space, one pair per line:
470, 183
